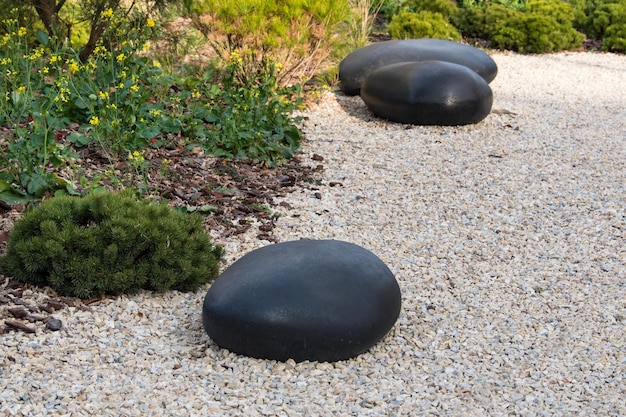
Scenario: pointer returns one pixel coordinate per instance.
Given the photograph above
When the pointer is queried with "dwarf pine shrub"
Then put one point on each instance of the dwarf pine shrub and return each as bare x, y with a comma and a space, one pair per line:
423, 24
107, 244
446, 8
604, 20
539, 26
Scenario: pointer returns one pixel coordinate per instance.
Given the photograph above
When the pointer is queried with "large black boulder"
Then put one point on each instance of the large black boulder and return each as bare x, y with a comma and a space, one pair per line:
317, 300
427, 93
356, 66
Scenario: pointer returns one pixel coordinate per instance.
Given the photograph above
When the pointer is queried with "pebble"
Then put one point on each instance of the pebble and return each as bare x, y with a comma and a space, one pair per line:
507, 240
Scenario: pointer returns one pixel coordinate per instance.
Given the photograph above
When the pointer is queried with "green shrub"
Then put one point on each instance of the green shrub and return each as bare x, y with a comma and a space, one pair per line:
424, 24
299, 34
446, 8
540, 26
605, 21
615, 38
107, 243
481, 21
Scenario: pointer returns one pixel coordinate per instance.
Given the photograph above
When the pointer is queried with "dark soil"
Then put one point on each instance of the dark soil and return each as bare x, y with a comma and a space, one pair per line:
233, 196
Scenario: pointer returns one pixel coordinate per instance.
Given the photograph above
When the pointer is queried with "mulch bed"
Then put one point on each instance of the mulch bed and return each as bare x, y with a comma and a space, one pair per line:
233, 196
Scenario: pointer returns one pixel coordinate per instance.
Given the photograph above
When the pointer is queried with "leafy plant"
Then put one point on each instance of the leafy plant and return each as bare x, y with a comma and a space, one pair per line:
28, 149
249, 115
107, 243
423, 24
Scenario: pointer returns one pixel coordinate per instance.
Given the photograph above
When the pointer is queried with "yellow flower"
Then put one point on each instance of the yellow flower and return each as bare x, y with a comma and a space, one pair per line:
120, 57
73, 65
21, 90
155, 112
137, 156
103, 95
235, 58
156, 63
134, 88
54, 59
94, 120
44, 70
108, 13
21, 32
150, 23
121, 85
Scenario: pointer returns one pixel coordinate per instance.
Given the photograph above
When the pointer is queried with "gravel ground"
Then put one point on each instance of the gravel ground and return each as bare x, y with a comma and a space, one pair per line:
508, 239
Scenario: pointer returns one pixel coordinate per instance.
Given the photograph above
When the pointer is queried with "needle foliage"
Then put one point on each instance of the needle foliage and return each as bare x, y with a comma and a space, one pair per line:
108, 244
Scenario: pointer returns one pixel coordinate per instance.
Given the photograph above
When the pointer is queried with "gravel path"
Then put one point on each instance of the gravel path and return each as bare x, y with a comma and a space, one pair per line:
508, 239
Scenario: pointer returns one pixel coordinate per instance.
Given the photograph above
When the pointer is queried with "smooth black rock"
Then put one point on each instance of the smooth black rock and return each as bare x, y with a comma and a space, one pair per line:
427, 93
356, 66
317, 300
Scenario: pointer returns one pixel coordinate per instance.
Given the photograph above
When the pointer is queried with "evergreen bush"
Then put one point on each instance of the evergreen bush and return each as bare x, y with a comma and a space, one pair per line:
605, 21
298, 34
540, 26
107, 244
446, 8
423, 24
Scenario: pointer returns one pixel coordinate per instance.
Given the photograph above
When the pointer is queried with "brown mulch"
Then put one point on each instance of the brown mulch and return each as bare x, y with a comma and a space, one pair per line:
233, 197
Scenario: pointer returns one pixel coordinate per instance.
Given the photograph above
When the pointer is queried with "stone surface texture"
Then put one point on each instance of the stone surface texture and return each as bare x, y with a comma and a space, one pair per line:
322, 300
506, 238
427, 93
357, 65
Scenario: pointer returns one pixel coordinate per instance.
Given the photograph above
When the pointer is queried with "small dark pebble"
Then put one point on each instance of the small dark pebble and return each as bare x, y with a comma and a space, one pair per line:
317, 157
318, 196
54, 324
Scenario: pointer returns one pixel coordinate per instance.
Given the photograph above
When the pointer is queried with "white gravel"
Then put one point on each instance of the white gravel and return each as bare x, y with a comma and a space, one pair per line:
508, 239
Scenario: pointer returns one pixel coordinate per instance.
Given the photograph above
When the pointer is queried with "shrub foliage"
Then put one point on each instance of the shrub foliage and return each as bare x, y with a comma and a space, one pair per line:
539, 26
107, 244
423, 24
297, 33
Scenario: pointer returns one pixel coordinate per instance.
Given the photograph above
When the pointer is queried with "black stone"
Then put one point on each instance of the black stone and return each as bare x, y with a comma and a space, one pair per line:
427, 93
356, 66
316, 300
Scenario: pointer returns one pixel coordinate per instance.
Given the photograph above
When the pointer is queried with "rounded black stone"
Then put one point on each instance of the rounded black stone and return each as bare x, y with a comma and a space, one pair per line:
316, 300
356, 66
427, 93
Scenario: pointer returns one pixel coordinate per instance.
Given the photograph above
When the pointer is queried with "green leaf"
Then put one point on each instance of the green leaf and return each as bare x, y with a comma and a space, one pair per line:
207, 209
42, 37
81, 103
149, 132
12, 198
78, 139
